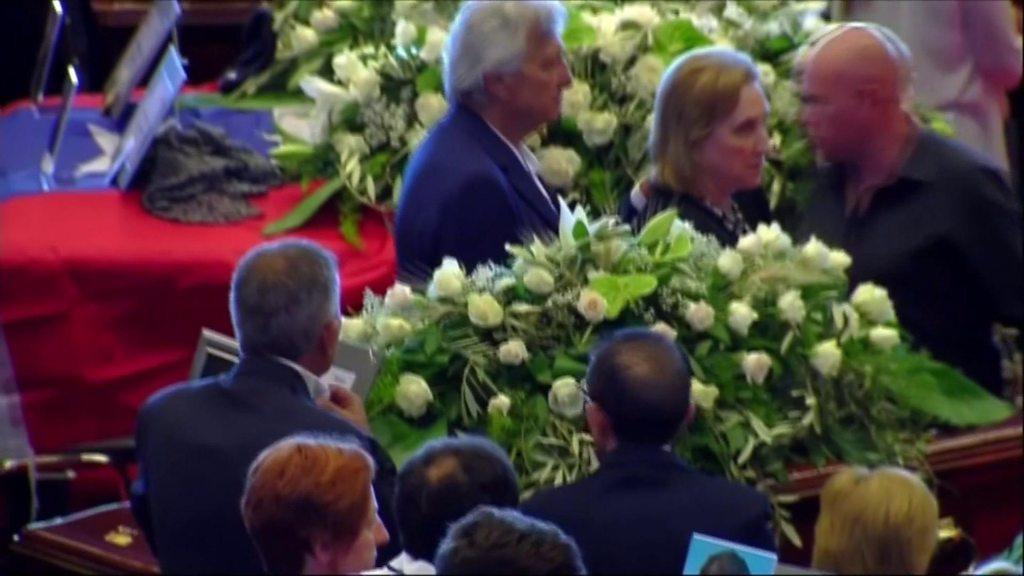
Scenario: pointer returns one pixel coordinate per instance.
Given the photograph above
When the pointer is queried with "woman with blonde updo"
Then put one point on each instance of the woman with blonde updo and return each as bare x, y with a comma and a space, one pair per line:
707, 145
884, 521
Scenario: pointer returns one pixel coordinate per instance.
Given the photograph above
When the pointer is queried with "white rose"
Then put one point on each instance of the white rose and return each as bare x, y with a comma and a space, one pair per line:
499, 404
413, 395
346, 66
533, 141
884, 338
323, 20
405, 33
741, 316
558, 165
665, 330
448, 279
815, 253
616, 49
838, 260
604, 23
700, 315
303, 39
791, 307
484, 311
347, 145
513, 352
366, 85
576, 99
645, 76
640, 13
773, 238
597, 127
353, 329
750, 244
756, 366
398, 296
324, 93
591, 305
393, 330
703, 395
430, 107
565, 397
730, 263
827, 358
873, 301
539, 281
607, 252
433, 45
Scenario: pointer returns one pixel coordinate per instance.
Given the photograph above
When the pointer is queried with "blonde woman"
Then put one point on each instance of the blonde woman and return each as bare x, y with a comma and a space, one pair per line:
884, 521
708, 145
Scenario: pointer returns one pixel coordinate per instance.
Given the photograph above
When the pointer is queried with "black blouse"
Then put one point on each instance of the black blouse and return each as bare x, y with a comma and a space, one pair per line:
751, 206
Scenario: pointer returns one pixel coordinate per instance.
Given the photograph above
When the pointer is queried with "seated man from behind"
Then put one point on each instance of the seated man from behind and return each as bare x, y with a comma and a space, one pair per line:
500, 541
636, 514
196, 441
440, 484
309, 507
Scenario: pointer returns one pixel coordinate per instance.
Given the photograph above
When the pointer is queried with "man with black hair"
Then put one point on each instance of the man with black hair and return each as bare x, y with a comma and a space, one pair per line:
445, 480
500, 541
636, 514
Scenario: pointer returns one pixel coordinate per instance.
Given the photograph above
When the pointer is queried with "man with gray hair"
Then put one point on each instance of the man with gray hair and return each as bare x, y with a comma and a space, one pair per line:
472, 185
928, 218
195, 441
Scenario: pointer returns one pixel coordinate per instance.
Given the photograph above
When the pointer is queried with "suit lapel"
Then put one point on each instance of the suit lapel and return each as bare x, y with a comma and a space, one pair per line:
520, 179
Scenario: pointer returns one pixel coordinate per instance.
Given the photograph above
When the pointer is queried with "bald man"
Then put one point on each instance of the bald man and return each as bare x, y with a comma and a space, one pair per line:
928, 218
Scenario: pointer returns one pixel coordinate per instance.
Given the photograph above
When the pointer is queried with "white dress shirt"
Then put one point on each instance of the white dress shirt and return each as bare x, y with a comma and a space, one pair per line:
405, 564
529, 161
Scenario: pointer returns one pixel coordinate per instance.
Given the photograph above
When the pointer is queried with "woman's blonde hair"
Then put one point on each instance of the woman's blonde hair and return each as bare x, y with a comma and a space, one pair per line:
699, 90
884, 521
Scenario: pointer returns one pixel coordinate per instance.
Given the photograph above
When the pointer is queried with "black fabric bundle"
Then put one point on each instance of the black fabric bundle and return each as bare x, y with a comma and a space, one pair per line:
198, 176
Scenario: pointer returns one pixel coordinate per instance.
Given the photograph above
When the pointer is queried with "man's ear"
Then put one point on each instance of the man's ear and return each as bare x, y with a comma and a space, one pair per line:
329, 337
691, 412
496, 85
324, 555
600, 427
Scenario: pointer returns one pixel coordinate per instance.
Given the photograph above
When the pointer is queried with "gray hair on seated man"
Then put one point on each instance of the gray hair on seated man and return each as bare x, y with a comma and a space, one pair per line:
493, 36
283, 296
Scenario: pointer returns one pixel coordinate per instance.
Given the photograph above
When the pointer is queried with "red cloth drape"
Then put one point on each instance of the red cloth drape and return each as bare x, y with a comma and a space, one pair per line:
101, 303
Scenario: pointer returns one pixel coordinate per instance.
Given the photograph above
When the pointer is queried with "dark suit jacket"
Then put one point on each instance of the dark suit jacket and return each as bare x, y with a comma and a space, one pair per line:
195, 443
637, 512
466, 195
752, 204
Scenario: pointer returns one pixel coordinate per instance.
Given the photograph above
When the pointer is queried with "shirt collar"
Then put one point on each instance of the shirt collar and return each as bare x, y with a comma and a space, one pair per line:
316, 388
522, 151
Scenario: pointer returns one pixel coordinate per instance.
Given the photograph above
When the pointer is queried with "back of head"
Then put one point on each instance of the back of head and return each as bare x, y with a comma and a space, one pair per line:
304, 488
282, 295
492, 36
697, 91
879, 522
502, 541
641, 380
443, 482
727, 562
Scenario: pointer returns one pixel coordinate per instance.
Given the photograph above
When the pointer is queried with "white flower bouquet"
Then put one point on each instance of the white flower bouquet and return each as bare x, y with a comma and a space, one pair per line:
788, 371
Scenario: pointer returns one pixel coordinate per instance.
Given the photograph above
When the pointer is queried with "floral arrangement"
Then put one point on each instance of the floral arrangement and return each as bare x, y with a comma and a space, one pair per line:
787, 370
372, 72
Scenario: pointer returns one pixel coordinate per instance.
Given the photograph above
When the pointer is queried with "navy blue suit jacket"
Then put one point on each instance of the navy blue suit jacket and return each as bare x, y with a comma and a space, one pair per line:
636, 514
466, 194
195, 443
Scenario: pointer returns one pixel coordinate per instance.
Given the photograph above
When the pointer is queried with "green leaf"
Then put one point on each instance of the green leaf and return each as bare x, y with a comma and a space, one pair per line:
673, 37
944, 393
429, 81
658, 227
402, 438
579, 231
304, 210
567, 366
680, 248
577, 32
620, 290
540, 367
349, 228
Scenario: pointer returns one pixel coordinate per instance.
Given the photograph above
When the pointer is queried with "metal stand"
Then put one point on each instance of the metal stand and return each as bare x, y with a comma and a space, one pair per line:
44, 59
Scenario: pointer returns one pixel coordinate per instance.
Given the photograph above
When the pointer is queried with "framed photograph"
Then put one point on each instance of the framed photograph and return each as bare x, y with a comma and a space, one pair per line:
146, 43
710, 555
44, 59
